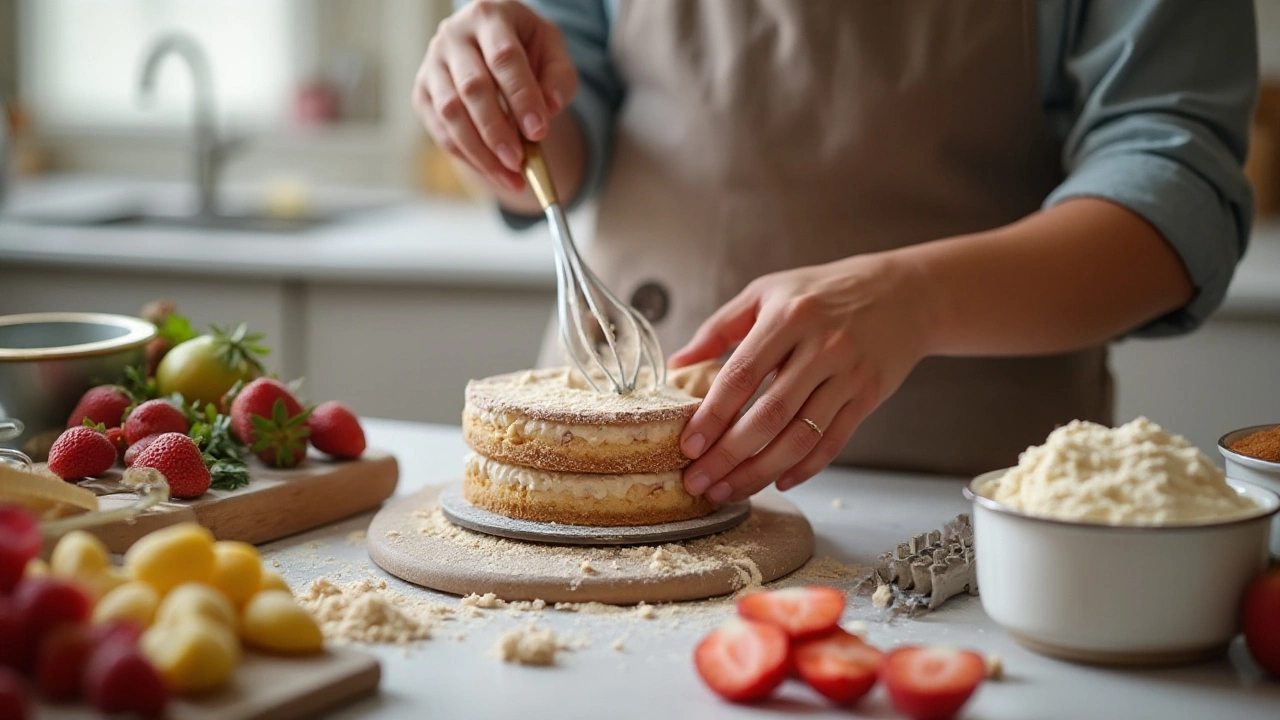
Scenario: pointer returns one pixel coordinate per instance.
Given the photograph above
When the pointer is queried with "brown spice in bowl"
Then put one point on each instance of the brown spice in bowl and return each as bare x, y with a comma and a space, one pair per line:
1262, 445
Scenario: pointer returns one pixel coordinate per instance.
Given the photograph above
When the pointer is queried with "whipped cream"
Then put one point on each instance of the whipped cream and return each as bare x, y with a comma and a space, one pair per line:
1136, 474
583, 485
519, 428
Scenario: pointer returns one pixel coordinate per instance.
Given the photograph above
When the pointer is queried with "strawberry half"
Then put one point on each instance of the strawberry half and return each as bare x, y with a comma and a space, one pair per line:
932, 683
840, 666
744, 660
81, 452
801, 611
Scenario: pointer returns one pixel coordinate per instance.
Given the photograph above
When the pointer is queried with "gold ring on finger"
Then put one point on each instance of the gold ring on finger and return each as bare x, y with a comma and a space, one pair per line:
813, 425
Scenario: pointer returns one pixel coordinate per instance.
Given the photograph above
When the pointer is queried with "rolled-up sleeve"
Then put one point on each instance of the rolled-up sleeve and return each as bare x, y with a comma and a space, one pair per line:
1156, 113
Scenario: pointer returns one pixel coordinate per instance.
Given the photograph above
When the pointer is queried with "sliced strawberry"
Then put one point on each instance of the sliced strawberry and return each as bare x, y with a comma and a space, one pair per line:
744, 660
932, 683
840, 666
801, 611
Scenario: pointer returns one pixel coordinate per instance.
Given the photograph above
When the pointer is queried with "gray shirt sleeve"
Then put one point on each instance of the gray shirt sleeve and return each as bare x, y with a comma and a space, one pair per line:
1154, 99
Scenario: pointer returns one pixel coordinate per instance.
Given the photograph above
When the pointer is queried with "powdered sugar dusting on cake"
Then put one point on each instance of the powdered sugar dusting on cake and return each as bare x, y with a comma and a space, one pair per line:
563, 395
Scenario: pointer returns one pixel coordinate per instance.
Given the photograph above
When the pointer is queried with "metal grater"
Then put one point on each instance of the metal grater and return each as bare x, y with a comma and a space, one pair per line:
932, 567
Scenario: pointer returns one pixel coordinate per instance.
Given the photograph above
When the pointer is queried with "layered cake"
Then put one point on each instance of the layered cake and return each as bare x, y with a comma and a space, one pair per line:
548, 447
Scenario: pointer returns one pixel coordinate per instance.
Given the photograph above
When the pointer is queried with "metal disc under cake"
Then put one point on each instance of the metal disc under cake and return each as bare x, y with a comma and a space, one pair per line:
462, 513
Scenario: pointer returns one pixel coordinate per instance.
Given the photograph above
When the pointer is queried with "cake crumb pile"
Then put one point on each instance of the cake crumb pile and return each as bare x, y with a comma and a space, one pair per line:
369, 611
529, 645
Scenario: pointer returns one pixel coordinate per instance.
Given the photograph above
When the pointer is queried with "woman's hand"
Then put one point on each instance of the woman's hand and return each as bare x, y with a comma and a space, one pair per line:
488, 55
838, 339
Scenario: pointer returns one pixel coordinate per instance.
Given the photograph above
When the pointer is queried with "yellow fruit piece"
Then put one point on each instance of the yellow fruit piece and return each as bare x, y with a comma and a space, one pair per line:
237, 570
193, 655
102, 582
79, 555
136, 601
196, 600
36, 568
271, 580
273, 621
172, 556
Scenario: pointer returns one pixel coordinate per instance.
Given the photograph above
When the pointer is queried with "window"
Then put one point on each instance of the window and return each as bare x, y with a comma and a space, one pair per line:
81, 59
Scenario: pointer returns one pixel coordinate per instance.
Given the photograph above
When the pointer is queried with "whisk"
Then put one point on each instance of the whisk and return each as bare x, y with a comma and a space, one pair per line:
601, 334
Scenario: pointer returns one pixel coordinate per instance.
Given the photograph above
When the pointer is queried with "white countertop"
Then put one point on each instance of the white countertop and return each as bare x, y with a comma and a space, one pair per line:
654, 677
399, 237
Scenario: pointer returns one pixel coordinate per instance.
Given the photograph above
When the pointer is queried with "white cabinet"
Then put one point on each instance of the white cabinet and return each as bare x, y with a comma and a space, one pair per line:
1225, 376
407, 352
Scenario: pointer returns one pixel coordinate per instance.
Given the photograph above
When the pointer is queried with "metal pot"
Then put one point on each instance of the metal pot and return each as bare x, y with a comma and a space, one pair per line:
48, 360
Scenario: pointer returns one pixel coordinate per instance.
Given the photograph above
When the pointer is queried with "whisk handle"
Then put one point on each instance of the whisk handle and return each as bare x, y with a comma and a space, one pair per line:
539, 177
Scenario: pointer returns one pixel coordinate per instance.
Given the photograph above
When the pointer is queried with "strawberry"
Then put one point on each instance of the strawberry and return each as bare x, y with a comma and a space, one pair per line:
119, 679
840, 666
60, 661
13, 641
744, 660
155, 352
131, 455
800, 611
931, 683
103, 405
178, 458
1262, 620
44, 603
20, 541
271, 421
336, 431
116, 436
154, 417
81, 452
15, 704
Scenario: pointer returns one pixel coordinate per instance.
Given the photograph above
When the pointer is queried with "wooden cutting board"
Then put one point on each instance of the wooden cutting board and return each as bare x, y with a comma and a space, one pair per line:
275, 504
776, 539
268, 688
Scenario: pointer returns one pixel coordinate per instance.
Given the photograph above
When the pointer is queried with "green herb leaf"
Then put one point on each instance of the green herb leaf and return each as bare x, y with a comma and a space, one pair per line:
176, 329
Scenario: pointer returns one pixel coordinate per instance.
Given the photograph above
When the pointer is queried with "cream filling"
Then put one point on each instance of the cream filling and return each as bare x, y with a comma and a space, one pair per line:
581, 485
517, 428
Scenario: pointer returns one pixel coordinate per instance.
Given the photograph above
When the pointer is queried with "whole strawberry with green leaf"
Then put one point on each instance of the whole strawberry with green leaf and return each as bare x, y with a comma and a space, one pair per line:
267, 418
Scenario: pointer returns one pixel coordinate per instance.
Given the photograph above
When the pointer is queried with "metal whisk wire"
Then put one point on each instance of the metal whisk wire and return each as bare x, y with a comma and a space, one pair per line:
601, 334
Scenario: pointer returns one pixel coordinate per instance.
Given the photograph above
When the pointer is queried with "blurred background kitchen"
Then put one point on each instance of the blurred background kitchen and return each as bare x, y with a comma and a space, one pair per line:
258, 161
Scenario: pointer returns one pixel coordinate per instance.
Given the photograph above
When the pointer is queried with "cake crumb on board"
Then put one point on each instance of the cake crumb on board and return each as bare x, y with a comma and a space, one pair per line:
837, 503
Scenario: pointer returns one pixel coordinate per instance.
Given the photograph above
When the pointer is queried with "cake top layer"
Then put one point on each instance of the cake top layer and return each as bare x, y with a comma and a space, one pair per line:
562, 395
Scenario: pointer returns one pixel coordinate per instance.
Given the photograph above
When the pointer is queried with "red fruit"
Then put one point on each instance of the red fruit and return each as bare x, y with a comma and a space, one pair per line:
744, 660
15, 702
103, 405
116, 436
178, 458
1262, 620
81, 452
19, 542
119, 679
839, 666
800, 611
60, 661
42, 604
12, 642
271, 421
336, 431
156, 350
131, 455
154, 417
114, 631
931, 683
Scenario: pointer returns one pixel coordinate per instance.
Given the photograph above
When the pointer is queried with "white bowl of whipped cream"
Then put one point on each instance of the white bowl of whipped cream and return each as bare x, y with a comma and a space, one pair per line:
1118, 545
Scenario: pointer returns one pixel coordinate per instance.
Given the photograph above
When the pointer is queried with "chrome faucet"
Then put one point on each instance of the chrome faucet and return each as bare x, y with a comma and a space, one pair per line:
210, 150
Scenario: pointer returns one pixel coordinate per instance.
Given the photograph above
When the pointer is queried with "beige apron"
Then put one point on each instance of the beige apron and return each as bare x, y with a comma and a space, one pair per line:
763, 135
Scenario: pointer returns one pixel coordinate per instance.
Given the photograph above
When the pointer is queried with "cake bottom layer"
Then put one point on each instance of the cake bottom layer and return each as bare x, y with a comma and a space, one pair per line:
579, 499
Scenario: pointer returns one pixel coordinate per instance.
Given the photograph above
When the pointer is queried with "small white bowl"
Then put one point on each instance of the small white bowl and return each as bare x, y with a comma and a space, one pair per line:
1253, 470
1117, 594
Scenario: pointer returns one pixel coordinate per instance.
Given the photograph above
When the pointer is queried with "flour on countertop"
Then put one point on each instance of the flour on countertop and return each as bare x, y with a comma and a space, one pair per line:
529, 645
